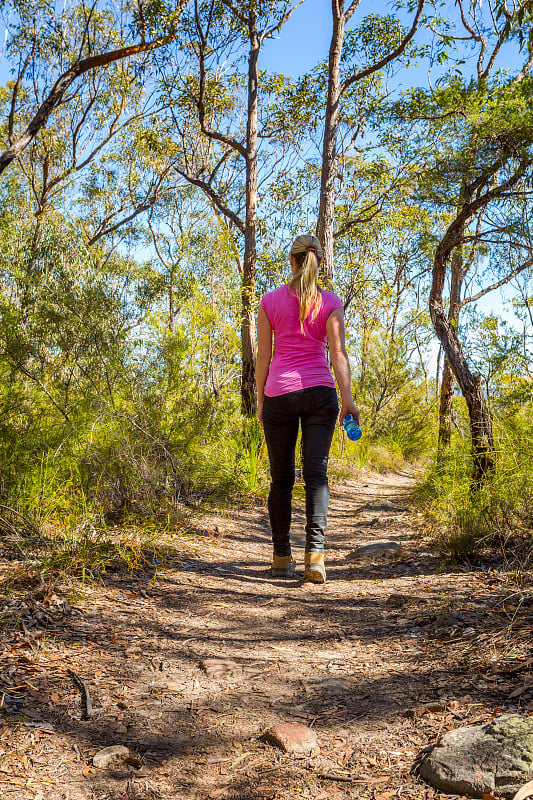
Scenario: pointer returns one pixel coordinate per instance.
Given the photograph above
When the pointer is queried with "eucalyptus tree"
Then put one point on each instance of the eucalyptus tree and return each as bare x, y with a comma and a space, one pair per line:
54, 44
64, 325
75, 166
221, 145
385, 42
379, 270
68, 307
475, 138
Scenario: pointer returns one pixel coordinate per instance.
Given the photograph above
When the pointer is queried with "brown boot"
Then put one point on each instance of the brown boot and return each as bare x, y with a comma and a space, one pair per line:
282, 566
315, 570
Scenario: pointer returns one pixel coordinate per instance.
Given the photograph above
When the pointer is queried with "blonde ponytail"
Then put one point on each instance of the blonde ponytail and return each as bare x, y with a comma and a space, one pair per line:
307, 254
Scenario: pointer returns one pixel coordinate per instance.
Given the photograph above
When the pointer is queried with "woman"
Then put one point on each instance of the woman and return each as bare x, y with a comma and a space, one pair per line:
293, 385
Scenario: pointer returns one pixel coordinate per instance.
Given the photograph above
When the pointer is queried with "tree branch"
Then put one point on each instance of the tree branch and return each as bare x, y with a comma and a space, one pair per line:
17, 363
350, 11
64, 81
525, 69
240, 16
364, 73
366, 215
499, 283
200, 102
288, 14
16, 87
217, 200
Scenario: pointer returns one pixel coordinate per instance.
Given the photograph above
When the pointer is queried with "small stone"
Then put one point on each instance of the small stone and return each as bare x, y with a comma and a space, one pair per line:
163, 684
384, 505
110, 756
495, 758
376, 549
121, 729
401, 600
219, 667
334, 686
293, 738
397, 600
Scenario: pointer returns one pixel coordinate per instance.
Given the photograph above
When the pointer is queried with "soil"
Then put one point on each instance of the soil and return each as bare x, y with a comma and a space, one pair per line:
392, 651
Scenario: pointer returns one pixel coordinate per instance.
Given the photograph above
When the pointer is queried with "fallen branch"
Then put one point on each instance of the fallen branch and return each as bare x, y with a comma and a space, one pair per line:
86, 705
334, 776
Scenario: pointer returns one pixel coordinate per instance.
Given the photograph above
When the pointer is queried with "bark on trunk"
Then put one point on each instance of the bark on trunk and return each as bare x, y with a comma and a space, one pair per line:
248, 399
326, 213
481, 430
445, 408
448, 379
470, 383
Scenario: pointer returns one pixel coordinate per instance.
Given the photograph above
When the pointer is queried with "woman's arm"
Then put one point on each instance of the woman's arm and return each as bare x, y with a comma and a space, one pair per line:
264, 357
340, 363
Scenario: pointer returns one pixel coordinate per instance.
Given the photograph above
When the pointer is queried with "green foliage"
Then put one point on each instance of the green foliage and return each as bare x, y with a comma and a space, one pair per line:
499, 515
82, 552
252, 461
392, 397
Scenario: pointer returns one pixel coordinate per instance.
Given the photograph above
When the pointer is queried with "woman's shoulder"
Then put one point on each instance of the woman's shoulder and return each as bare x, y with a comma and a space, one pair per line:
330, 300
274, 295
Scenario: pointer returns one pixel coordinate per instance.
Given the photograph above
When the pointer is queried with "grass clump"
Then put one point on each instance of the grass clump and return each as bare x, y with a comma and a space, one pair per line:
49, 553
496, 516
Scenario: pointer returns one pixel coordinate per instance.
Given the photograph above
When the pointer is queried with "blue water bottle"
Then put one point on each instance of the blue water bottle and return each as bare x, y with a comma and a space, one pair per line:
351, 427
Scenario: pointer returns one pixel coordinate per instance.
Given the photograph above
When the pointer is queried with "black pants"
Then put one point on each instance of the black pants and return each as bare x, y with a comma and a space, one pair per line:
317, 408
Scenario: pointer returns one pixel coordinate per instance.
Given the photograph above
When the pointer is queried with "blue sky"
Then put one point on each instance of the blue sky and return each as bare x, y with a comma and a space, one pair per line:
302, 42
305, 39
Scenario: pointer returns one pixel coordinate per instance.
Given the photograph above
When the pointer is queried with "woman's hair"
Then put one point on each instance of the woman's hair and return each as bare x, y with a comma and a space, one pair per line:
307, 254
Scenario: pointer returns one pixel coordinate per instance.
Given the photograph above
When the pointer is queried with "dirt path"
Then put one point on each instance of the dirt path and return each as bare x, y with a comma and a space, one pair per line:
390, 652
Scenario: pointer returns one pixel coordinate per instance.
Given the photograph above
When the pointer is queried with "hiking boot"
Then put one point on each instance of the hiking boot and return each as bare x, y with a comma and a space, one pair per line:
283, 566
315, 570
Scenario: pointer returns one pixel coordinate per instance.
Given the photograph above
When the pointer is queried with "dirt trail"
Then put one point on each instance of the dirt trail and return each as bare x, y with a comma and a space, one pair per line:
390, 652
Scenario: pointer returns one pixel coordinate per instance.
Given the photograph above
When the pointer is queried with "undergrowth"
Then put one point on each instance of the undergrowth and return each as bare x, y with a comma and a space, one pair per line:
97, 495
496, 516
50, 554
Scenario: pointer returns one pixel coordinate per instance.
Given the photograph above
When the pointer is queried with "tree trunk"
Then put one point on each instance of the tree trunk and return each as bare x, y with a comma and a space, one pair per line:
248, 399
483, 451
448, 379
480, 423
445, 409
325, 224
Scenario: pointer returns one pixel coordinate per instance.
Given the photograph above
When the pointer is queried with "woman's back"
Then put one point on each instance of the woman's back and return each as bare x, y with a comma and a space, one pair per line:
299, 358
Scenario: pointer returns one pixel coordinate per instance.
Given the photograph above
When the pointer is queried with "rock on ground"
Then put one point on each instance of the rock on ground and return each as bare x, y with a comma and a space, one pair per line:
110, 756
292, 738
495, 758
376, 549
219, 667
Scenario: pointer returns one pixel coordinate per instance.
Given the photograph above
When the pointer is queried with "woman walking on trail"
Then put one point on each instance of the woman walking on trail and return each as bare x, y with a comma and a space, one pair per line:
296, 385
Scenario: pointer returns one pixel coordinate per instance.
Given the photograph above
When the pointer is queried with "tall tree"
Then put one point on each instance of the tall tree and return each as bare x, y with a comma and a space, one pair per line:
337, 86
220, 27
48, 69
474, 134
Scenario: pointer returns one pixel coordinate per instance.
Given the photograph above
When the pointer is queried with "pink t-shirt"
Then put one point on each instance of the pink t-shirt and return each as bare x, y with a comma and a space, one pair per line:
299, 361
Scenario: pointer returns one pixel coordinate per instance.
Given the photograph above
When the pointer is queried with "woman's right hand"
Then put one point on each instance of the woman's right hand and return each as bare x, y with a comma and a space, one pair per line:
349, 407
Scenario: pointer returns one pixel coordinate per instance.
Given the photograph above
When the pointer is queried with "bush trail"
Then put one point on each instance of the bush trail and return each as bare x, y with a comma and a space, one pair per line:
390, 652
